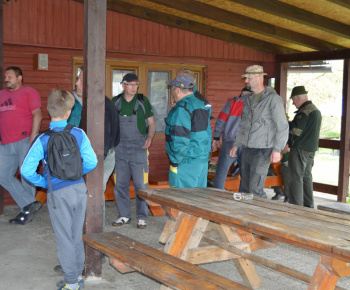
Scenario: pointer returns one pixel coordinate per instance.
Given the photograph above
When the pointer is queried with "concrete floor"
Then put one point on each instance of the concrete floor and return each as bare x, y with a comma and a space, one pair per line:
28, 256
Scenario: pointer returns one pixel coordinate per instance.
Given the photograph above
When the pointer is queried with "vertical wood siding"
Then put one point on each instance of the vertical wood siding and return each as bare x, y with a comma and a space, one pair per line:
56, 28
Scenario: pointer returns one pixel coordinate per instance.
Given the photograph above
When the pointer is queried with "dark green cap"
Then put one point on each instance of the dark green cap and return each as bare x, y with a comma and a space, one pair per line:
297, 91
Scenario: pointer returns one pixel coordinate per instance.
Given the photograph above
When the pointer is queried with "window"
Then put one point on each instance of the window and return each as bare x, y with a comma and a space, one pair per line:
152, 78
158, 93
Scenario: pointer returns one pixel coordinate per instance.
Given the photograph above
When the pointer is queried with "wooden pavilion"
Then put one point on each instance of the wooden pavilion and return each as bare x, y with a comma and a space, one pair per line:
50, 39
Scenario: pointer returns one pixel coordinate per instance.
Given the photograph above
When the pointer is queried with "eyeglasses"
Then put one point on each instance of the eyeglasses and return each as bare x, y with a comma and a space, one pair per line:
132, 84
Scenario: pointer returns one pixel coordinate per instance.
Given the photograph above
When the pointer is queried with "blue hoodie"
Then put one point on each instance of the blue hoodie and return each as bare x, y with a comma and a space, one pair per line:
38, 151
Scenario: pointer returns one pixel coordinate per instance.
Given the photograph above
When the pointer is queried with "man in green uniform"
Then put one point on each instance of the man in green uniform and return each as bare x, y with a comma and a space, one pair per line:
303, 142
137, 129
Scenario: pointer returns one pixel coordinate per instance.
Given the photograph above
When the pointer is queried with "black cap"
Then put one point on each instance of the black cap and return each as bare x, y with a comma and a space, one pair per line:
130, 77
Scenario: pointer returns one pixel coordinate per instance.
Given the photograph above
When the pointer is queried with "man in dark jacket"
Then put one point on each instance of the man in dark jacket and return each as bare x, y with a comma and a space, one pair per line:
303, 142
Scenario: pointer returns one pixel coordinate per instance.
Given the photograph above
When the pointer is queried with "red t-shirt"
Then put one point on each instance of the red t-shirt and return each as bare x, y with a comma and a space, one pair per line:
16, 117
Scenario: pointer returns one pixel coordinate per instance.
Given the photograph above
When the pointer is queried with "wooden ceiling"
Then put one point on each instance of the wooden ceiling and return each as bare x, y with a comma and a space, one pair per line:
276, 26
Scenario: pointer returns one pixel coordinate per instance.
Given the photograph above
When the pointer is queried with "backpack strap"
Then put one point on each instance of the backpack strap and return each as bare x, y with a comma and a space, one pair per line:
140, 102
68, 127
118, 103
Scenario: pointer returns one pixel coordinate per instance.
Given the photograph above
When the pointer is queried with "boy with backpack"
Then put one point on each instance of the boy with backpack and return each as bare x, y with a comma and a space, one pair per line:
67, 191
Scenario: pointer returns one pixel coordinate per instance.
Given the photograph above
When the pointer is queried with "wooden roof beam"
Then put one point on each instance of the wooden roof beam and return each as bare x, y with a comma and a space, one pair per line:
195, 27
343, 3
314, 55
235, 19
295, 14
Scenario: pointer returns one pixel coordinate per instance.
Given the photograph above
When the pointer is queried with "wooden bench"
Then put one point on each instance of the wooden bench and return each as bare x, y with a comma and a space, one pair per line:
231, 183
155, 209
336, 207
127, 255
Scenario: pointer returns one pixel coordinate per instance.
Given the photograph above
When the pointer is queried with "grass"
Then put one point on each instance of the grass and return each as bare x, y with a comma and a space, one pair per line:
326, 167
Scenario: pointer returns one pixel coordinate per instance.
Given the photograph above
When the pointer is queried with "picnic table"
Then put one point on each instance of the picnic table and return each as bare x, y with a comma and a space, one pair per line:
212, 226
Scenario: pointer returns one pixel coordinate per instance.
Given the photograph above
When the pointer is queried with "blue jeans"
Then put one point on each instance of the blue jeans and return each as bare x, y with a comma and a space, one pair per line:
224, 163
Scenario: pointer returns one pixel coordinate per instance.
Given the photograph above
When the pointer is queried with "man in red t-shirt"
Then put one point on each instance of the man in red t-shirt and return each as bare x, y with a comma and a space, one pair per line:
20, 119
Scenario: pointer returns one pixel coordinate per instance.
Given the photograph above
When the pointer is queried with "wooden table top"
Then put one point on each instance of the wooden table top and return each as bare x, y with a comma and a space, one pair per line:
319, 231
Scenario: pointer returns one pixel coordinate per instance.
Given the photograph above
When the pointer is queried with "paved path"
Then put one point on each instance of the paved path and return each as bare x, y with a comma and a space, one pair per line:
28, 256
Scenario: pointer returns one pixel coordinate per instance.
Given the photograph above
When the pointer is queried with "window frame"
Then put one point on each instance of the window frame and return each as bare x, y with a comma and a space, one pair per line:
141, 69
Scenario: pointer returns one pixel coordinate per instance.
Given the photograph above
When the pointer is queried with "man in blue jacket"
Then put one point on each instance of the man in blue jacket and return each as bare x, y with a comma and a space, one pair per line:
187, 140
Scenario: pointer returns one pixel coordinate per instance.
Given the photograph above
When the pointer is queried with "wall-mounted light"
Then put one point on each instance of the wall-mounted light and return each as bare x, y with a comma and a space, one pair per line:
41, 61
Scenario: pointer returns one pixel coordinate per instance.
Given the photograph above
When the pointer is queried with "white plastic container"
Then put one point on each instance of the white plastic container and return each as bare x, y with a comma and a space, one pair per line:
243, 196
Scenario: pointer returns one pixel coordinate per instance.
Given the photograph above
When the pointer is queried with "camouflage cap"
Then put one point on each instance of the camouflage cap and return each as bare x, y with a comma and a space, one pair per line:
254, 71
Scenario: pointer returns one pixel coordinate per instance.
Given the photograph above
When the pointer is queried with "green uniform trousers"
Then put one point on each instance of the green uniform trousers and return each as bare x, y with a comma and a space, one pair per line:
300, 165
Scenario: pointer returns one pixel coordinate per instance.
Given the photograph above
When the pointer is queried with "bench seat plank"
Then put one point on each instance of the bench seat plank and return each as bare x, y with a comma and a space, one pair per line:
336, 207
158, 265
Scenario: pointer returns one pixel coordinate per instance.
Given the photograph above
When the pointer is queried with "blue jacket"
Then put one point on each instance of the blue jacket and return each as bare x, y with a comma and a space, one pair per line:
38, 151
186, 132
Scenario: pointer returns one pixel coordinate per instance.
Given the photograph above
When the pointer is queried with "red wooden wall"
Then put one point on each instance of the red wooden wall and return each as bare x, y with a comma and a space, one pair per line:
55, 27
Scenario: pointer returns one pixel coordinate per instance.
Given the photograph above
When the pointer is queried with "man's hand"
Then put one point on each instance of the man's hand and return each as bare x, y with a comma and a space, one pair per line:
215, 145
275, 157
286, 149
147, 143
233, 152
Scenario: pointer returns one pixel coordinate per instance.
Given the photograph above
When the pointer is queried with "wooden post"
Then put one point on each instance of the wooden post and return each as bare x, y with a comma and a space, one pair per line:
281, 72
343, 178
95, 12
2, 199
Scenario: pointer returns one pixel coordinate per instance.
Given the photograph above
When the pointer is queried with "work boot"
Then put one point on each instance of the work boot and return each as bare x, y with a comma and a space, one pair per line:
277, 196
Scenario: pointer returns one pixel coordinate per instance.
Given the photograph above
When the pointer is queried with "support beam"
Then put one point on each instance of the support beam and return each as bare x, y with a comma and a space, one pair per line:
314, 55
95, 12
281, 80
344, 157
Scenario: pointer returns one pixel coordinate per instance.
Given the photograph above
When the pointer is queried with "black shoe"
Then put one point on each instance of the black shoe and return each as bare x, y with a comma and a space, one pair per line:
277, 196
234, 171
18, 219
27, 214
58, 269
286, 200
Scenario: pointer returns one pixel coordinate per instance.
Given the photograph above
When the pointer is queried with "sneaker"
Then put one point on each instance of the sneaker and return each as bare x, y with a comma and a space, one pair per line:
58, 269
141, 224
286, 200
121, 221
62, 283
65, 287
277, 196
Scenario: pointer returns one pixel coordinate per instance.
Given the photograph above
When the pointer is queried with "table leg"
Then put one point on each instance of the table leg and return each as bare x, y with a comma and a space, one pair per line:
328, 272
187, 234
245, 267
